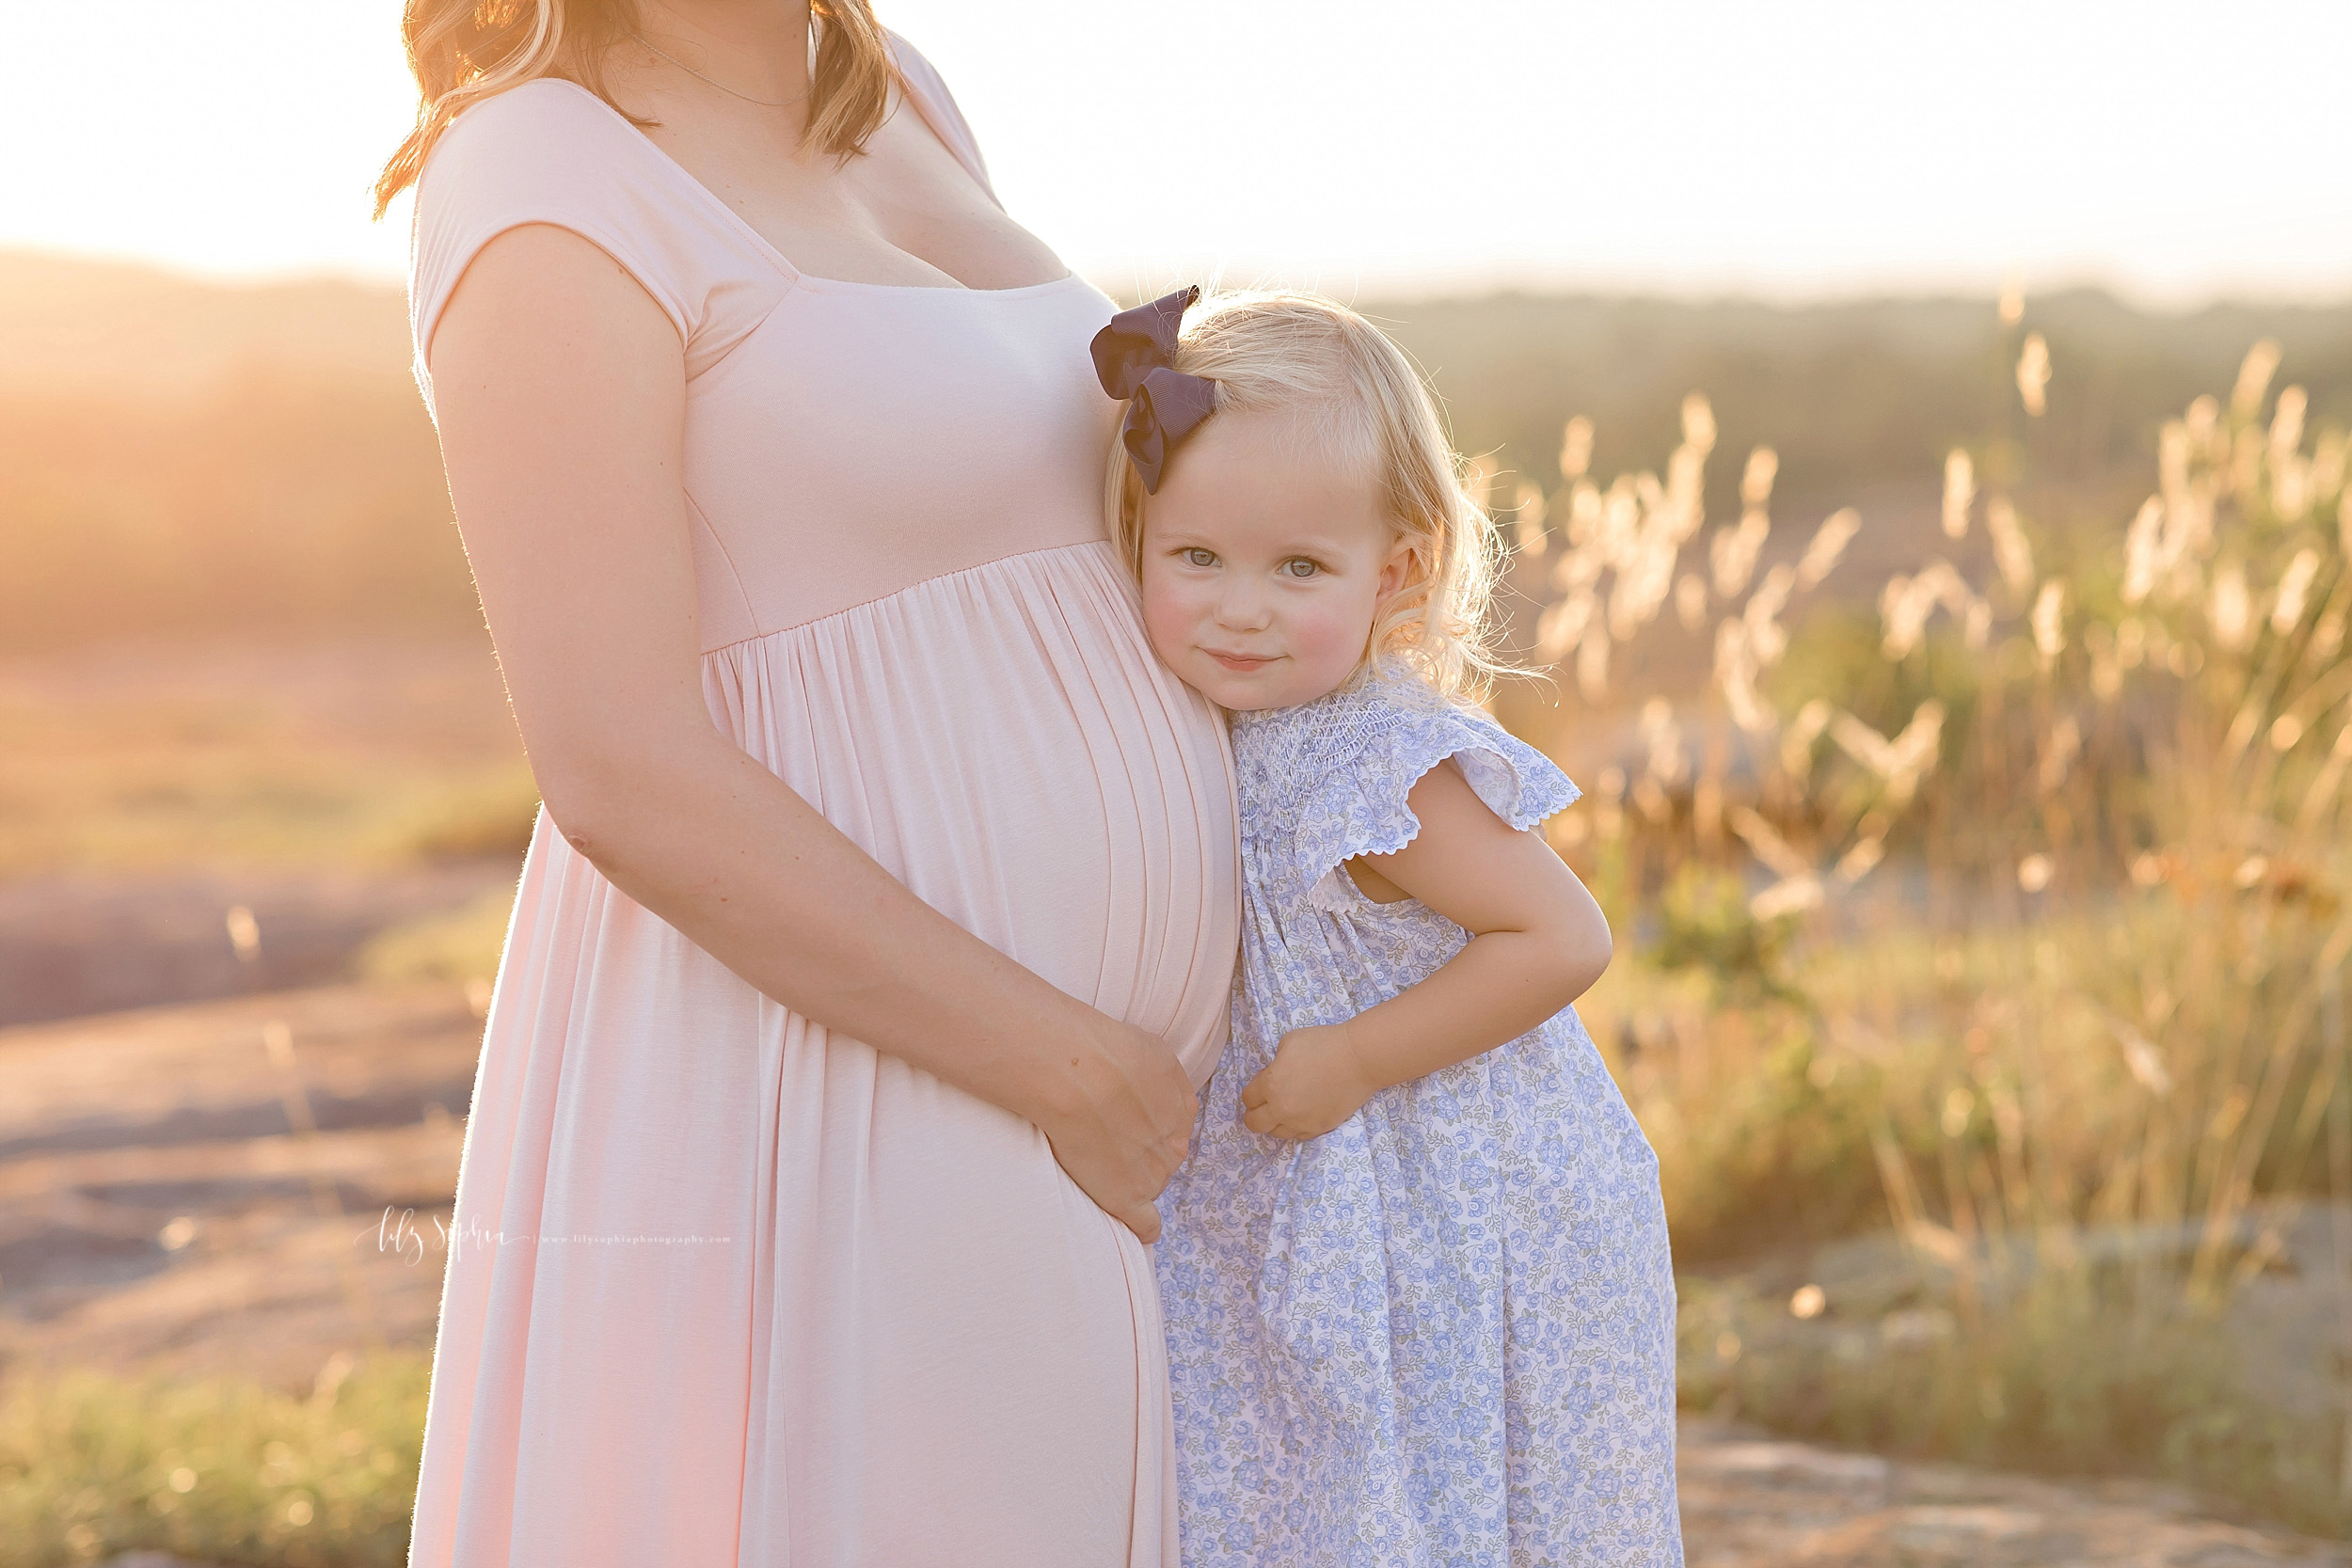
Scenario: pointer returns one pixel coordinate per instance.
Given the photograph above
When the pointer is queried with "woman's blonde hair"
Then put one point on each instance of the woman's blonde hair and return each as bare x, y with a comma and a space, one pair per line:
1314, 360
463, 51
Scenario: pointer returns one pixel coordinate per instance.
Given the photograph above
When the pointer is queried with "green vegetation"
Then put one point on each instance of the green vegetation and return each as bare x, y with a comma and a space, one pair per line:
216, 1472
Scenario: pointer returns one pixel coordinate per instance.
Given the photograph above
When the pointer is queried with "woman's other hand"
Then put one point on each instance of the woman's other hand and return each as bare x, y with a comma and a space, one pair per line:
1120, 1119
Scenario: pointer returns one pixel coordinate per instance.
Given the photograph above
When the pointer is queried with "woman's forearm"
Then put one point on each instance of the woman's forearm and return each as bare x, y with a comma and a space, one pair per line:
702, 834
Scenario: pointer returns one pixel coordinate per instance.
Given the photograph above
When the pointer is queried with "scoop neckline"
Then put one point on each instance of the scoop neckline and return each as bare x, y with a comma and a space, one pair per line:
784, 263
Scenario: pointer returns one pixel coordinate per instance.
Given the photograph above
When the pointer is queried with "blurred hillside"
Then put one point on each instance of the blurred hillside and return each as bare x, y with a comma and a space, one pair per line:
182, 458
70, 325
1861, 397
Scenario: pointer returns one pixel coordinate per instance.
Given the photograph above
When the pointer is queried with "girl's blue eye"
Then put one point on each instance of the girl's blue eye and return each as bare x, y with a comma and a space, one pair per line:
1299, 566
1198, 557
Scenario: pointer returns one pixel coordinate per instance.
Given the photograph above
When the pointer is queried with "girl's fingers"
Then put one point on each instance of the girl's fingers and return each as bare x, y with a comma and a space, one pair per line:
1261, 1115
1275, 1125
1265, 1118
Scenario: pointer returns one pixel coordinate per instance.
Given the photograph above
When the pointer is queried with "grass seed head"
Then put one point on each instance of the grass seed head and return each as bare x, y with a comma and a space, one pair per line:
2033, 375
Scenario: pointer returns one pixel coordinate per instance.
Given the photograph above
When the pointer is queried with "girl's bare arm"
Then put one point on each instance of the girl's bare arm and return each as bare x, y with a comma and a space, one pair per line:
559, 387
1538, 943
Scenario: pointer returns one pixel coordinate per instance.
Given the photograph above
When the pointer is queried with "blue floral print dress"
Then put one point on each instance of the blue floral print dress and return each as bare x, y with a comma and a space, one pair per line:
1442, 1332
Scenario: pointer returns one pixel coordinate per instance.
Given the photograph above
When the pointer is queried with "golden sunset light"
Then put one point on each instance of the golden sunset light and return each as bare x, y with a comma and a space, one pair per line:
1248, 785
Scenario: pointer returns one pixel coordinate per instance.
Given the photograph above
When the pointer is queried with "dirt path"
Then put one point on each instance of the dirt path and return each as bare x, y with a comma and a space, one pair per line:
161, 1207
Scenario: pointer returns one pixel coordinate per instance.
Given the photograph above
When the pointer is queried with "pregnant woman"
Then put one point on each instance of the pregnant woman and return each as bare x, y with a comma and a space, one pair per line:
884, 903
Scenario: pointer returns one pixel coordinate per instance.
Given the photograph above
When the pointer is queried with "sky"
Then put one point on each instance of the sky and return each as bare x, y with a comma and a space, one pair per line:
1804, 148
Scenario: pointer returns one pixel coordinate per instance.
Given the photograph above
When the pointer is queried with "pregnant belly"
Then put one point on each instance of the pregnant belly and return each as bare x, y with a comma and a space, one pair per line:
1002, 741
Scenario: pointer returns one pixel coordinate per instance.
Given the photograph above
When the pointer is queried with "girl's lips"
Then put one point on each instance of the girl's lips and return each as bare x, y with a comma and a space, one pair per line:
1240, 664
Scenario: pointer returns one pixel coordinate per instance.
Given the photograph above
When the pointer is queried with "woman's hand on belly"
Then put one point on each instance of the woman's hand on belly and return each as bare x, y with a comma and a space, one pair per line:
1120, 1119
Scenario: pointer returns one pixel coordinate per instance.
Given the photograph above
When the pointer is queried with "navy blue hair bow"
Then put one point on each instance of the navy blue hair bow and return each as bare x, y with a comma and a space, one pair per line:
1132, 358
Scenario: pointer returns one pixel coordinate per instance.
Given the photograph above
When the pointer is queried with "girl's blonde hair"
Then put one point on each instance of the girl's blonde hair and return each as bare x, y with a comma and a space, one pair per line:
1314, 360
463, 51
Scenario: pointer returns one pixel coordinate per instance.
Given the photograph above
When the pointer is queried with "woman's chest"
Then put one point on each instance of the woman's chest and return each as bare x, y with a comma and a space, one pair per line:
903, 213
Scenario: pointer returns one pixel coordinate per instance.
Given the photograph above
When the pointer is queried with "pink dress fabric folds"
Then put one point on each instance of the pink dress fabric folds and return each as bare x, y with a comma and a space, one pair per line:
726, 1289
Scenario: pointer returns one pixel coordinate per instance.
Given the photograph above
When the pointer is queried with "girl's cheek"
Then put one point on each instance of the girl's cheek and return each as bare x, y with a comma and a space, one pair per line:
1167, 618
1332, 630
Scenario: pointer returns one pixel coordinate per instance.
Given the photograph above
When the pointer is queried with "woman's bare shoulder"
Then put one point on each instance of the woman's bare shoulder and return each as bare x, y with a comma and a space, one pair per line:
549, 122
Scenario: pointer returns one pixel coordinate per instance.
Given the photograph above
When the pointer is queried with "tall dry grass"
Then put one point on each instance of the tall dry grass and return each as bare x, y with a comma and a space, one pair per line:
2008, 912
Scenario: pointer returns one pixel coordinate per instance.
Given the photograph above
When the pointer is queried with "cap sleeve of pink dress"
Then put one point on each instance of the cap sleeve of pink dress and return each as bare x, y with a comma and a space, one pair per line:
723, 1288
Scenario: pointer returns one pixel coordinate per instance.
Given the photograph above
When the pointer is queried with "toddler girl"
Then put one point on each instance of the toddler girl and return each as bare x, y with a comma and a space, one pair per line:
1419, 1303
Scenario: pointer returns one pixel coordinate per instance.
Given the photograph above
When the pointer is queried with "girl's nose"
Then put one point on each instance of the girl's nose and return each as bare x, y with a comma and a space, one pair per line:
1242, 608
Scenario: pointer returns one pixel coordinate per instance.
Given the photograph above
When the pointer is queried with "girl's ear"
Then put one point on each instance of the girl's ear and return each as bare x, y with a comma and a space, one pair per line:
1396, 571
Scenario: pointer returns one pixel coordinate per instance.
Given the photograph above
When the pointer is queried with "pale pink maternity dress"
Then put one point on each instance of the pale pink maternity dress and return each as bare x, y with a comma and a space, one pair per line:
724, 1288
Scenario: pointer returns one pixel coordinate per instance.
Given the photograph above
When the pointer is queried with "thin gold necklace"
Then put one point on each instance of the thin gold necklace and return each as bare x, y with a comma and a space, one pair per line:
763, 103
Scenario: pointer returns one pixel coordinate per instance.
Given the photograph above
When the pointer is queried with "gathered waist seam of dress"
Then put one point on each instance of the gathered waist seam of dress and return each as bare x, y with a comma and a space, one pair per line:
908, 587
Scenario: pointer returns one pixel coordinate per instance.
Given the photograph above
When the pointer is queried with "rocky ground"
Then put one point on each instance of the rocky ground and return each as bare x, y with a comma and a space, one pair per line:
84, 944
1751, 1502
249, 1186
238, 1187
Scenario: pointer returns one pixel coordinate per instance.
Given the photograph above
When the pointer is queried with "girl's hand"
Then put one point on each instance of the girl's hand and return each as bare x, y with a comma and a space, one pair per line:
1314, 1083
1119, 1120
